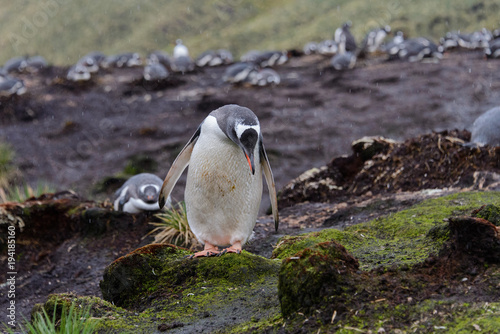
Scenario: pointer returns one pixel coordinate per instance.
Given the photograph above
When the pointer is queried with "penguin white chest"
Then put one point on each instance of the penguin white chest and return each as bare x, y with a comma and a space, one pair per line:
222, 195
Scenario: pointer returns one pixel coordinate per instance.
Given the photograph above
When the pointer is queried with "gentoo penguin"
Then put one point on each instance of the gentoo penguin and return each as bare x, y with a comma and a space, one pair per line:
266, 77
475, 40
242, 72
373, 40
415, 49
139, 193
310, 48
344, 61
10, 86
92, 61
180, 50
250, 56
182, 64
36, 63
159, 57
77, 73
493, 49
486, 128
392, 48
271, 58
155, 72
214, 58
328, 47
226, 159
449, 41
128, 59
16, 64
345, 39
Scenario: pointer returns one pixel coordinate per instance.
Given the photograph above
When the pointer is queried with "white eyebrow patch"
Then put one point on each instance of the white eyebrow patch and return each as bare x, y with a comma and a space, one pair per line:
240, 128
141, 189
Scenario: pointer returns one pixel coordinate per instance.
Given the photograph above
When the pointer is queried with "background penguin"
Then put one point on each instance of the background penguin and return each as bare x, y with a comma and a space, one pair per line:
328, 47
493, 49
373, 40
486, 128
36, 63
310, 48
266, 77
345, 39
139, 193
159, 57
77, 73
10, 86
92, 61
242, 72
16, 64
214, 58
344, 61
155, 72
180, 50
226, 159
128, 59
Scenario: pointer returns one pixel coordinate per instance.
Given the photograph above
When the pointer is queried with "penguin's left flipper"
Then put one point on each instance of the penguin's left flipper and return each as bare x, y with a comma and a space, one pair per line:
180, 163
268, 174
123, 200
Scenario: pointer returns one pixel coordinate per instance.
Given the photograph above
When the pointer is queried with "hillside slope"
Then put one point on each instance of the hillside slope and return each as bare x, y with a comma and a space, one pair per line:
64, 30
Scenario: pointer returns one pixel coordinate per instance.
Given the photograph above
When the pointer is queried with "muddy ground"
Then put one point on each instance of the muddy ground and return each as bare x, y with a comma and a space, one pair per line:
75, 136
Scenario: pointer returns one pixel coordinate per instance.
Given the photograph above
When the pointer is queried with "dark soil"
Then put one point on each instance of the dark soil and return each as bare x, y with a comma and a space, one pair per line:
75, 136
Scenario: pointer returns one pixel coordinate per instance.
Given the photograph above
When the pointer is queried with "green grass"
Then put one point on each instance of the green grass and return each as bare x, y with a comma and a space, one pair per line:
72, 319
6, 164
22, 192
240, 25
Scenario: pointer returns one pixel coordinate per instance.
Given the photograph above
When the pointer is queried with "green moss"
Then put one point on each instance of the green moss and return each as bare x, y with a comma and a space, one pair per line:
319, 275
403, 238
489, 212
163, 286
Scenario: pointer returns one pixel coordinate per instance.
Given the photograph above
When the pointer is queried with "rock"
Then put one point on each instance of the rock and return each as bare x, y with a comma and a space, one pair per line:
316, 276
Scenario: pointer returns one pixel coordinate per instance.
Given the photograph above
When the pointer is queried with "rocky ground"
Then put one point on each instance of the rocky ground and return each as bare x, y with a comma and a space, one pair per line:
87, 137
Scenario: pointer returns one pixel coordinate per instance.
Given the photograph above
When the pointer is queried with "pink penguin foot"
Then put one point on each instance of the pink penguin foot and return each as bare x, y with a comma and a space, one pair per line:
235, 248
210, 250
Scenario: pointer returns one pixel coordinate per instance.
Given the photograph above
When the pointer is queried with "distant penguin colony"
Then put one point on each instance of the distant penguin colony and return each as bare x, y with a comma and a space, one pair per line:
226, 158
139, 193
259, 68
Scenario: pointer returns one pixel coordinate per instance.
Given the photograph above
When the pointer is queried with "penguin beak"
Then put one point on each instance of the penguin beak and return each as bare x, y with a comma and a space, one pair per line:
250, 161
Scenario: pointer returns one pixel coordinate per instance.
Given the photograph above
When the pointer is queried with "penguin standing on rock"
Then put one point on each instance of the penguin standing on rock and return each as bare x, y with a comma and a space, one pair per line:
139, 193
226, 159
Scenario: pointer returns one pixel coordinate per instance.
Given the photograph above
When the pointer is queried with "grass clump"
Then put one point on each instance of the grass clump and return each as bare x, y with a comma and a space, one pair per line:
71, 319
173, 228
23, 192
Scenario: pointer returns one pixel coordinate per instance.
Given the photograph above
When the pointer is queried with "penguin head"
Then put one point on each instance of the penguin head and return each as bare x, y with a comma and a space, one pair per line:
149, 193
242, 127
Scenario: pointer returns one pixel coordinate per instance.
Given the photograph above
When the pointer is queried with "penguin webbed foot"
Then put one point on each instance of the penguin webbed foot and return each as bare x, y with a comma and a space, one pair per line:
235, 248
210, 250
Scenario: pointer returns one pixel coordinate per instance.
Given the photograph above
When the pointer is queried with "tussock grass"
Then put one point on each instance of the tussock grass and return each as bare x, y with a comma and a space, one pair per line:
73, 319
174, 228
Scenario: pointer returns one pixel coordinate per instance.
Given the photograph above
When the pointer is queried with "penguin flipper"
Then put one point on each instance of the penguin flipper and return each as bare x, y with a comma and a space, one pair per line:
268, 174
180, 163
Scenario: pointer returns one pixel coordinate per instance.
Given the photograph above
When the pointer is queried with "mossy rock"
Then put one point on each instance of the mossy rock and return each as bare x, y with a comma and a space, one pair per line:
489, 212
314, 276
136, 274
404, 238
158, 281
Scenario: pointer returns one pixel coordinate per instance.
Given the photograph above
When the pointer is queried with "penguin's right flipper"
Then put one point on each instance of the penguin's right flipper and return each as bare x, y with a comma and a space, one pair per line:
180, 163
